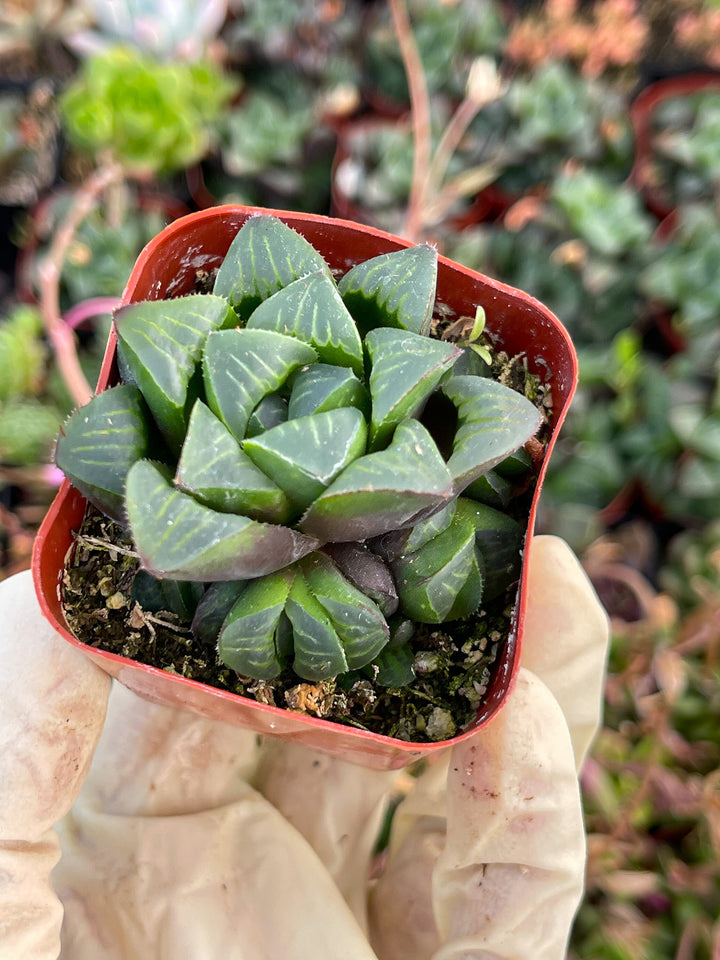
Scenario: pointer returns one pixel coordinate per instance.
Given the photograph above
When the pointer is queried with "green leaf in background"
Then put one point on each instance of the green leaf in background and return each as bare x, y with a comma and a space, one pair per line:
312, 310
493, 421
160, 343
241, 367
610, 217
406, 369
249, 637
150, 116
100, 442
383, 491
22, 353
265, 256
181, 538
393, 290
303, 456
28, 430
323, 387
215, 470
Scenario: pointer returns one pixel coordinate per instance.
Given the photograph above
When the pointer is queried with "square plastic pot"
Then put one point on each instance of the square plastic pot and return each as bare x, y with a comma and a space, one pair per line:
167, 267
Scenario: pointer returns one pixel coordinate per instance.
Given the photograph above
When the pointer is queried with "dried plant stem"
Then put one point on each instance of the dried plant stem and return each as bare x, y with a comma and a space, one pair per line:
449, 143
60, 335
420, 110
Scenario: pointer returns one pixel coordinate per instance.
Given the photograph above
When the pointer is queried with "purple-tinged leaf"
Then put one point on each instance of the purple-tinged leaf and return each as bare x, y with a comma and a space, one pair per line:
382, 491
366, 571
357, 620
178, 537
215, 604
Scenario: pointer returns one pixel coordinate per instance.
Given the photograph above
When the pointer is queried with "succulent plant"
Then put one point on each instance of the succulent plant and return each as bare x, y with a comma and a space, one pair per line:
307, 450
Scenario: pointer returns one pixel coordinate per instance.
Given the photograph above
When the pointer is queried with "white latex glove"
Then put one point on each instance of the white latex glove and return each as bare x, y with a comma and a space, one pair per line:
192, 840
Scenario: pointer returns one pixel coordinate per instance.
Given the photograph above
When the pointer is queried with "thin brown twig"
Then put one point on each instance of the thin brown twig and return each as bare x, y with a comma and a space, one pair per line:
420, 110
449, 143
61, 337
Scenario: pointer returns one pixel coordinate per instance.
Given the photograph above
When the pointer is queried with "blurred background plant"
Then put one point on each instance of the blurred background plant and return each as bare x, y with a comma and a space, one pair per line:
569, 148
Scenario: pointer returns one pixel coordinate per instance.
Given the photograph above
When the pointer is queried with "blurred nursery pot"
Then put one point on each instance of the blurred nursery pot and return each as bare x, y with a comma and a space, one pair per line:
167, 268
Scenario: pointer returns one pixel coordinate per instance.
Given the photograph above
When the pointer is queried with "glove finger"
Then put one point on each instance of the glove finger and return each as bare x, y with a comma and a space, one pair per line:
233, 883
336, 806
154, 760
566, 637
52, 706
510, 876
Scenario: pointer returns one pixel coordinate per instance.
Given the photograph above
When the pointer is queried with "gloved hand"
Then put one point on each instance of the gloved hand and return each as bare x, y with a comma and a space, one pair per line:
186, 839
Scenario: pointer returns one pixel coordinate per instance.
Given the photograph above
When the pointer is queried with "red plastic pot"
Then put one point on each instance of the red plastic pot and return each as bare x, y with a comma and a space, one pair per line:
166, 267
641, 114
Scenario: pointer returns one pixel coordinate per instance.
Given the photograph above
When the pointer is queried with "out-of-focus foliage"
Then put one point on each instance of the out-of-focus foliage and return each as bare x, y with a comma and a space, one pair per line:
151, 117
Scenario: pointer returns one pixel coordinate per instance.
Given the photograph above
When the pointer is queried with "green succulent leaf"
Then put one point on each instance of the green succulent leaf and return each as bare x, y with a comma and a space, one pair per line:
216, 471
180, 597
312, 310
490, 488
358, 621
394, 544
395, 666
304, 456
271, 411
101, 441
213, 608
443, 580
265, 256
499, 539
178, 537
319, 652
241, 367
493, 421
393, 290
406, 369
249, 637
322, 387
382, 491
160, 343
517, 465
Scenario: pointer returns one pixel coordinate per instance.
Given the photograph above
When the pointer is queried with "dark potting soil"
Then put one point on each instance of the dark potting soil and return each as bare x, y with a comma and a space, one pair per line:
453, 663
